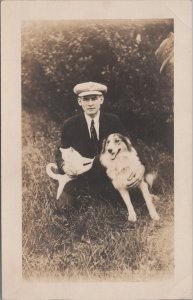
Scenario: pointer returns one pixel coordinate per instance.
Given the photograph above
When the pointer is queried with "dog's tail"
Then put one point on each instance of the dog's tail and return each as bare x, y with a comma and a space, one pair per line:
150, 178
50, 173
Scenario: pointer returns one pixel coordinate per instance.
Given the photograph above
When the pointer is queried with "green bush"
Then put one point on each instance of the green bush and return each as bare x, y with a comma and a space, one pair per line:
58, 55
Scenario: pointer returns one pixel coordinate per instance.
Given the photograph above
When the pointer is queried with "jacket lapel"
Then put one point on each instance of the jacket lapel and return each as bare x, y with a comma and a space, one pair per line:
84, 130
102, 128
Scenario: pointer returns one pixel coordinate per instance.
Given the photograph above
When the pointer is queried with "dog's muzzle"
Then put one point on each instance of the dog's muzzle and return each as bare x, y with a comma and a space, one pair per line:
113, 154
110, 151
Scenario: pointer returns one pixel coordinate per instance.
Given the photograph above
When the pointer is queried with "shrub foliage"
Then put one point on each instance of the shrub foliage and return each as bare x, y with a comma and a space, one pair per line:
121, 54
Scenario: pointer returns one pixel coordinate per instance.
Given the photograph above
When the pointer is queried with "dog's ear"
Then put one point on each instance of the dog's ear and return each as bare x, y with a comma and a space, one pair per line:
127, 142
103, 145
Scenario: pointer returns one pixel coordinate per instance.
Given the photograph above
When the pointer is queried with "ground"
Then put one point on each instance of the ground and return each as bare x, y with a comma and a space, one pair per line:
95, 239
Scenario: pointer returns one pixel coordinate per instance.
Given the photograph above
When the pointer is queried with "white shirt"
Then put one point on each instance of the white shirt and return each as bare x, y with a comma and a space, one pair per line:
96, 123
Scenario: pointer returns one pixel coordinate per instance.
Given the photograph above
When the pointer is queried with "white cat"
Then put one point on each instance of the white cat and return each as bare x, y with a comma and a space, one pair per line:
74, 165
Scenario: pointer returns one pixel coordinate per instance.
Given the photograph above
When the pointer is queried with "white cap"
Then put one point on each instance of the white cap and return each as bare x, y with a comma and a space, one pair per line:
89, 88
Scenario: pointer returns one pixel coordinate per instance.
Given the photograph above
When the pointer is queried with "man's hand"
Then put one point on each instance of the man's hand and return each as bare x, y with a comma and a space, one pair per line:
136, 176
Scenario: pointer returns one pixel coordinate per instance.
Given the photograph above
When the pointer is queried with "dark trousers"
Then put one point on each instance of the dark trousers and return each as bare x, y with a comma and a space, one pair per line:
94, 182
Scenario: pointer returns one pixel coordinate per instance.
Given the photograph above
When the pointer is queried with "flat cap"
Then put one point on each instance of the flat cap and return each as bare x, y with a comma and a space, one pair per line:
89, 88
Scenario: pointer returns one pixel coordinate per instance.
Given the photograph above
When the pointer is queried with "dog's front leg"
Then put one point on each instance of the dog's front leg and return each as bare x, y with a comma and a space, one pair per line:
125, 195
148, 199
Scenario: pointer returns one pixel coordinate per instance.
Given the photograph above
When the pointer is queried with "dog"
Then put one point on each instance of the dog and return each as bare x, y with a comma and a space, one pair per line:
74, 165
126, 171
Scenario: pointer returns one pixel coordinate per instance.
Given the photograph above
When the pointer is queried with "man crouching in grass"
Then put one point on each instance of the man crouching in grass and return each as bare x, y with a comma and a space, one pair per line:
85, 133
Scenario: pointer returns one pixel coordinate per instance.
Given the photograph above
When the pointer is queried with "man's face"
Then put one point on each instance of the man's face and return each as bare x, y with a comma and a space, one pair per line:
91, 104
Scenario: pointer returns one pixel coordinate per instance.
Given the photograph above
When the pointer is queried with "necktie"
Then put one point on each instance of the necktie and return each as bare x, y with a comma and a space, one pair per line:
94, 139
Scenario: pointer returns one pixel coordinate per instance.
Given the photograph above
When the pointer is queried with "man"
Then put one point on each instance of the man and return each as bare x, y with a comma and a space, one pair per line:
85, 132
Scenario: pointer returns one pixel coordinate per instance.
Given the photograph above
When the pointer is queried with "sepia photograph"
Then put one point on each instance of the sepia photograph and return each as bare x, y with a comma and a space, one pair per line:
96, 125
97, 149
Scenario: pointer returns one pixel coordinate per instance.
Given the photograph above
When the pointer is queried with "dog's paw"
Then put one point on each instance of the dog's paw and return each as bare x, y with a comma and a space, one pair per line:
154, 215
132, 217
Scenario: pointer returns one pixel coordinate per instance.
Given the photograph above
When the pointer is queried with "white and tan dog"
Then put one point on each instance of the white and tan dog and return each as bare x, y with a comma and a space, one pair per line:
126, 171
74, 165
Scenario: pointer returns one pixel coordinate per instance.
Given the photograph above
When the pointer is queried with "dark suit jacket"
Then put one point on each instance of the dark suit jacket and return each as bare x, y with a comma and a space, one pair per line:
75, 133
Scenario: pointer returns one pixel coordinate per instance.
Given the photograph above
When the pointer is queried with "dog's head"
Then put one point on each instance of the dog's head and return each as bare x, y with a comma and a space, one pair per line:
114, 144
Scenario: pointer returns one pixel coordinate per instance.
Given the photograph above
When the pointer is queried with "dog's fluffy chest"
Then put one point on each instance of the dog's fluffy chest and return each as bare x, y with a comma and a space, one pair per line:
124, 163
120, 169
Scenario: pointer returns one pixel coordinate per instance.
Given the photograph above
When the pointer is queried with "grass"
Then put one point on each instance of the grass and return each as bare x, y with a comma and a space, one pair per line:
93, 241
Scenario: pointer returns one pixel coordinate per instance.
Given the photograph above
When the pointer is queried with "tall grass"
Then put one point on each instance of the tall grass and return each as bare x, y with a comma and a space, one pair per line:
95, 239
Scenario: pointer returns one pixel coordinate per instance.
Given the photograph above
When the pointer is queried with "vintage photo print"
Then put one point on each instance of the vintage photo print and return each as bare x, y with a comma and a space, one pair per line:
93, 238
93, 124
